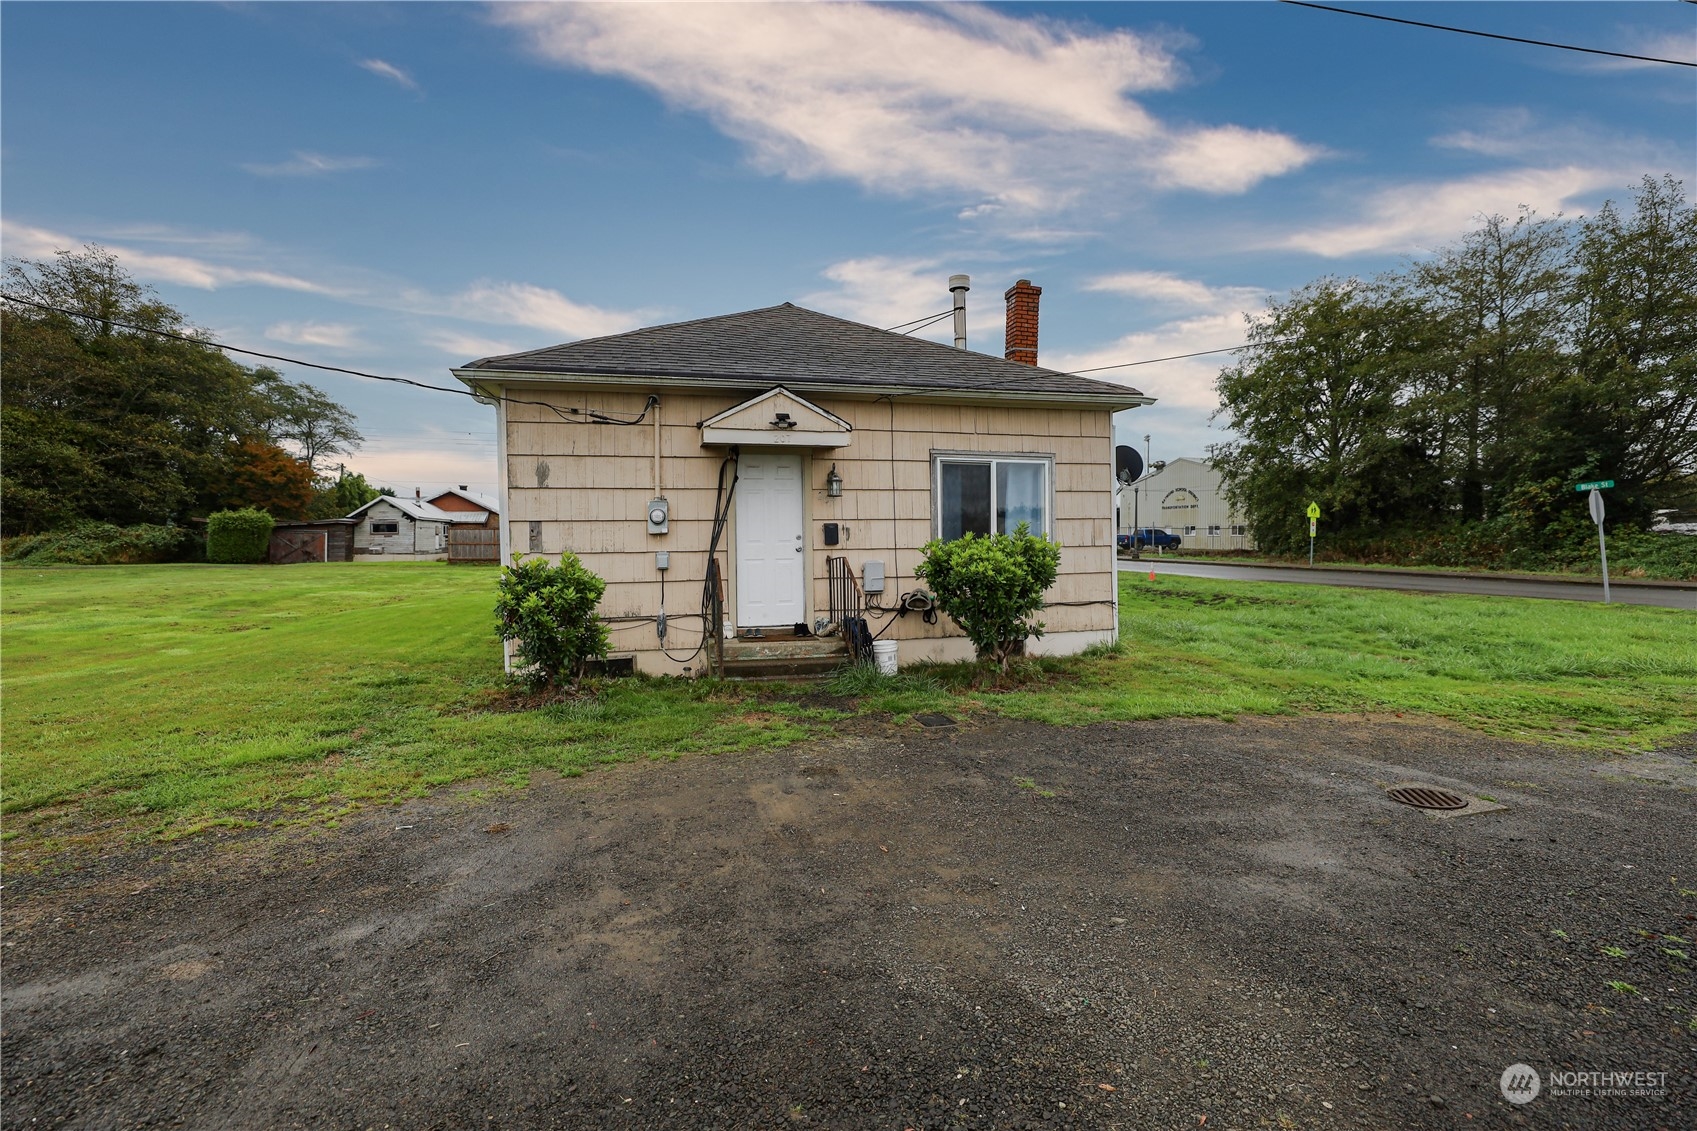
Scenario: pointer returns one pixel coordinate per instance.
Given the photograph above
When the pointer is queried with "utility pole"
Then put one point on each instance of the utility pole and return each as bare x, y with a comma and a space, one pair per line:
1136, 522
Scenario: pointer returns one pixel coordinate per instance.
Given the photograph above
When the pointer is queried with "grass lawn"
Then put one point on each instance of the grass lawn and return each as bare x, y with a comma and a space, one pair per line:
161, 700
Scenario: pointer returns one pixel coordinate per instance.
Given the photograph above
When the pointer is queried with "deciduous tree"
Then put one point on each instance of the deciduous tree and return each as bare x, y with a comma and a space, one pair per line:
114, 423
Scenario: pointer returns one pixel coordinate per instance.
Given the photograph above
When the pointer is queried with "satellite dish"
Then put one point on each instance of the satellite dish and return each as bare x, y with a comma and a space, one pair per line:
1128, 465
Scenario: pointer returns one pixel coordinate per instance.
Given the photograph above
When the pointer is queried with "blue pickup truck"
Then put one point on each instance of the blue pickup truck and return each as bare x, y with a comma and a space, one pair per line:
1149, 538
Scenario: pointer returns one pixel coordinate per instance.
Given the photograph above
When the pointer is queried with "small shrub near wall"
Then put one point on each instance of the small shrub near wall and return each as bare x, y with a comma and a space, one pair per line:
992, 586
238, 537
551, 612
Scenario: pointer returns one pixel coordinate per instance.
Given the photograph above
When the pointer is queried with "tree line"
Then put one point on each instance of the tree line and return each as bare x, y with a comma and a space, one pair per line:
103, 423
1465, 395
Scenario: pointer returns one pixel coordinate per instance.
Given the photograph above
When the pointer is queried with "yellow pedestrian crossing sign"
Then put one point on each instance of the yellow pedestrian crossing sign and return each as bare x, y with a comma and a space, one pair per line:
1313, 511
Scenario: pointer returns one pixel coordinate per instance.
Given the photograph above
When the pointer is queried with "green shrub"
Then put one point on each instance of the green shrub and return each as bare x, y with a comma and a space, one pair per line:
238, 536
550, 611
101, 543
991, 587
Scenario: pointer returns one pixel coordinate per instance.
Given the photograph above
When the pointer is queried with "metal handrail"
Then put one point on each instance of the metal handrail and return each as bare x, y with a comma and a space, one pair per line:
848, 608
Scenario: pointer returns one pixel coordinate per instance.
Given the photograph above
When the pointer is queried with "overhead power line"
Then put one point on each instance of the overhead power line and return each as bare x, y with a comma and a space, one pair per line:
1490, 34
570, 415
1181, 356
932, 321
929, 318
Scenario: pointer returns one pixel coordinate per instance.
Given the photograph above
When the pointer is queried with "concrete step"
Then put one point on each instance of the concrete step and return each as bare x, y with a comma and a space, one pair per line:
784, 667
786, 648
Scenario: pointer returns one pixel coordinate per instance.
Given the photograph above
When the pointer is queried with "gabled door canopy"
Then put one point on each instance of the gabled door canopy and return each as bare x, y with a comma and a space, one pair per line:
777, 418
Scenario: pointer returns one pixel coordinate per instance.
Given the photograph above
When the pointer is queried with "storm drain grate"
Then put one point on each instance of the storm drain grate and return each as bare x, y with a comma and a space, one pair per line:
1426, 797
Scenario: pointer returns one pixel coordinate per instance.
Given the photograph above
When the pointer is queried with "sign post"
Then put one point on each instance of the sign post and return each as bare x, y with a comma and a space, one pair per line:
1313, 528
1596, 501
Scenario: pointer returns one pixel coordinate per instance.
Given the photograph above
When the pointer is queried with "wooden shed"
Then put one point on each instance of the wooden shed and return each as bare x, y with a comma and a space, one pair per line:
323, 540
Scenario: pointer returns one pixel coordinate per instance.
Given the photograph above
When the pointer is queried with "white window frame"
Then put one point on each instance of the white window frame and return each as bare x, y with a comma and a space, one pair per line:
1044, 460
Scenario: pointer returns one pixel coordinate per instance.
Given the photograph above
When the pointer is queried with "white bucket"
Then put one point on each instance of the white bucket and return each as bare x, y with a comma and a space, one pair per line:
884, 655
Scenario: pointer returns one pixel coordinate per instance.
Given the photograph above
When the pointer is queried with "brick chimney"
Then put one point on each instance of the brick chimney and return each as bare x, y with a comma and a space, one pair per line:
1022, 322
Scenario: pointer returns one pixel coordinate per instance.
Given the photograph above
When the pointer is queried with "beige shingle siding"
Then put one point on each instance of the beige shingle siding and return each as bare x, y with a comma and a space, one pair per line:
599, 479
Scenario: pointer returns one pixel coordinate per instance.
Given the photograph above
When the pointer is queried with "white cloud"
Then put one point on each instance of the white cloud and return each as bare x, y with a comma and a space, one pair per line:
304, 164
954, 98
1515, 133
39, 243
227, 243
1184, 383
432, 458
332, 335
885, 291
1183, 389
391, 72
468, 347
1230, 159
1416, 217
882, 290
525, 304
1171, 290
501, 303
1552, 166
1680, 45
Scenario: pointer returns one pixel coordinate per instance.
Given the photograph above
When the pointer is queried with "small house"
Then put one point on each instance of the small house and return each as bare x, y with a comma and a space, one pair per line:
474, 539
397, 528
464, 501
758, 486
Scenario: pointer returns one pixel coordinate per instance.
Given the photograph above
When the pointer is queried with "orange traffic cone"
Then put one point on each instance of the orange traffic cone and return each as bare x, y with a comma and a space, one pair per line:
1151, 573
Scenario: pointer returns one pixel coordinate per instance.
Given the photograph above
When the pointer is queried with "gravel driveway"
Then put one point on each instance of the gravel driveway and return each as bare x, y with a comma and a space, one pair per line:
999, 925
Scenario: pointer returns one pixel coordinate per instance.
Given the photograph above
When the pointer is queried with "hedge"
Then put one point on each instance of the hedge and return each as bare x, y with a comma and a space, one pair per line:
101, 543
238, 536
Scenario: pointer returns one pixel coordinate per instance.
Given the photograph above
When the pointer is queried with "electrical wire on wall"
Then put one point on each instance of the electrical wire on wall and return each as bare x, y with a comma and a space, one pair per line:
710, 586
895, 501
711, 610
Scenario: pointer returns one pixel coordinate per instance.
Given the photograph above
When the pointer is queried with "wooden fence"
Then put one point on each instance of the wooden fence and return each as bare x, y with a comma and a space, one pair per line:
474, 545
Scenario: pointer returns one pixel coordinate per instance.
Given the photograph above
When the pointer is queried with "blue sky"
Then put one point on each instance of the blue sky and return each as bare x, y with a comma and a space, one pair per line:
404, 187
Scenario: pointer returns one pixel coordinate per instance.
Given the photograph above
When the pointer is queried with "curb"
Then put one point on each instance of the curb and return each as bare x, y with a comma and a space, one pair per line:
1640, 582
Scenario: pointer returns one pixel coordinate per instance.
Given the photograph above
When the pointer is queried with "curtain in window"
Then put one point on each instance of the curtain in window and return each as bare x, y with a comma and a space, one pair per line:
1019, 497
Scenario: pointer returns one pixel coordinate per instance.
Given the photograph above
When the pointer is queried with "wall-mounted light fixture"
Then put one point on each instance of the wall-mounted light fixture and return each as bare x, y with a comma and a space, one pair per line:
782, 420
833, 483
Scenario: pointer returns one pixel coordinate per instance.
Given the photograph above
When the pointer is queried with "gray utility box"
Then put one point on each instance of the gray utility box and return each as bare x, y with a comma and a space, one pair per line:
872, 577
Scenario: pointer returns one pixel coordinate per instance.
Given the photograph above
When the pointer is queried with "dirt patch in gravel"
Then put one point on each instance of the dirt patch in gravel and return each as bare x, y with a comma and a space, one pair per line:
989, 925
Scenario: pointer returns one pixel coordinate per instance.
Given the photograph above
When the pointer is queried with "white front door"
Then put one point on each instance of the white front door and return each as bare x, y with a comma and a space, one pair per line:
770, 580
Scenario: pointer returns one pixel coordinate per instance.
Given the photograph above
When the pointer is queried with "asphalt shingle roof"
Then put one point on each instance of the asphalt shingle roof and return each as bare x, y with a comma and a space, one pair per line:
796, 346
420, 510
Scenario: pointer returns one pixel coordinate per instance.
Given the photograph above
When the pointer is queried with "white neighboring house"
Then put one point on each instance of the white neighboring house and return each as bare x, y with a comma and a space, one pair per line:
1185, 498
391, 527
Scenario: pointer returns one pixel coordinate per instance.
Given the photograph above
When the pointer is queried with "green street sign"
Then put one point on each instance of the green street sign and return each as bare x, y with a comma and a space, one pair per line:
1596, 486
1314, 509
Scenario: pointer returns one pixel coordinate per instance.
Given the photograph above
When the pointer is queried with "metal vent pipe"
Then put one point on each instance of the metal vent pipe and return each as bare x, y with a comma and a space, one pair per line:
958, 286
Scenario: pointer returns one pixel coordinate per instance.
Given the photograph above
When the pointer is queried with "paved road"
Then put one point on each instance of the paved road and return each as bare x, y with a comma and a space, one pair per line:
1671, 597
